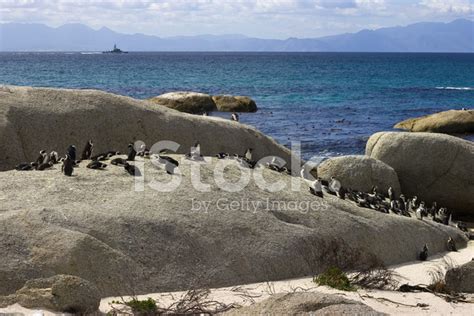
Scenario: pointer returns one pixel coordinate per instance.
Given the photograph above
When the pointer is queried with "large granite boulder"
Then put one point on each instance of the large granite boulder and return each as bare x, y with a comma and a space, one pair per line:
435, 167
60, 293
451, 122
125, 237
186, 101
461, 279
229, 103
305, 303
360, 173
32, 119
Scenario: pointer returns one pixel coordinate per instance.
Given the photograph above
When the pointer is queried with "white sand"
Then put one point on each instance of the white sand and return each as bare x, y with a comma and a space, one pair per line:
412, 273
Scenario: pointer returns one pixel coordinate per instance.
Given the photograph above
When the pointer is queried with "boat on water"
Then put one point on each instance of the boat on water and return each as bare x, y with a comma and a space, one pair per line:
115, 51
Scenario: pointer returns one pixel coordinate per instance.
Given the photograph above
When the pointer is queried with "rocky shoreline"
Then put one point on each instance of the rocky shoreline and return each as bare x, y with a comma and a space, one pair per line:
99, 226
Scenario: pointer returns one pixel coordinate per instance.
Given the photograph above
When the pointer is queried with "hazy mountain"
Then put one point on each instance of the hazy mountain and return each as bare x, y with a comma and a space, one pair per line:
457, 36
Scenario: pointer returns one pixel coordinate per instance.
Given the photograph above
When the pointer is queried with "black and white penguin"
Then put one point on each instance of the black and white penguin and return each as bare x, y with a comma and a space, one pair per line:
170, 163
87, 151
25, 166
118, 162
235, 117
132, 170
44, 166
451, 245
131, 152
71, 152
316, 188
391, 194
68, 166
195, 153
335, 185
95, 164
420, 211
53, 157
423, 253
462, 226
41, 158
143, 151
222, 155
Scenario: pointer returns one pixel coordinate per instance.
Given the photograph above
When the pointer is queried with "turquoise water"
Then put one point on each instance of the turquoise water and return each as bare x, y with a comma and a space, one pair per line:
332, 102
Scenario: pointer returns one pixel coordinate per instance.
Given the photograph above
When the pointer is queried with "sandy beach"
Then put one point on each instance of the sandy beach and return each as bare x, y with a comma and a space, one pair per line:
390, 302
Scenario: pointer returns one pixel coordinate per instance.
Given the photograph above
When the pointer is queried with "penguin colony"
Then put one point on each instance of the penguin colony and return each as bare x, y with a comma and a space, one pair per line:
388, 204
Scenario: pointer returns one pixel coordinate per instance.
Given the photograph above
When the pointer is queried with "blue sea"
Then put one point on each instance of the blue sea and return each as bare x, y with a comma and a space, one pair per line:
331, 102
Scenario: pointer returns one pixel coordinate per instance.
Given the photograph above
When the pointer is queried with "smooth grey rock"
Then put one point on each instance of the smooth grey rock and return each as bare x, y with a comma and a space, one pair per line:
360, 173
305, 303
435, 167
186, 101
96, 226
461, 279
60, 293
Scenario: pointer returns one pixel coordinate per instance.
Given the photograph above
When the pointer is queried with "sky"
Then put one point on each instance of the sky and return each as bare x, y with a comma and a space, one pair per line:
257, 18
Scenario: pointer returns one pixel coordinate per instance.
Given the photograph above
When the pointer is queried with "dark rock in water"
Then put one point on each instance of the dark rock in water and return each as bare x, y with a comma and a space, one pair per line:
305, 303
60, 293
461, 279
229, 103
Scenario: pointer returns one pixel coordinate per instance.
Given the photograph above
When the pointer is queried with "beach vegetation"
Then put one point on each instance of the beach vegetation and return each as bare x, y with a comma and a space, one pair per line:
335, 278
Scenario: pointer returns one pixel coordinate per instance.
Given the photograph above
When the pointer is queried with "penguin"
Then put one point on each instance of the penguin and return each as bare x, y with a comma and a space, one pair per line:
170, 163
95, 164
99, 157
143, 152
423, 254
433, 210
132, 170
71, 152
316, 188
118, 162
420, 211
195, 153
462, 226
41, 158
53, 157
44, 166
247, 158
249, 154
222, 155
391, 195
451, 245
131, 152
25, 166
87, 151
68, 166
235, 117
205, 114
335, 185
273, 165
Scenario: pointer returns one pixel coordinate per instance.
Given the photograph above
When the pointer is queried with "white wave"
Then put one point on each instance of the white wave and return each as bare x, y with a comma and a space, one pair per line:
455, 88
90, 53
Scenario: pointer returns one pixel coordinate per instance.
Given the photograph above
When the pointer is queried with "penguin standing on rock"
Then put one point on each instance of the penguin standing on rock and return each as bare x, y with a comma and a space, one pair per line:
132, 170
235, 117
424, 253
451, 244
391, 195
131, 152
87, 152
95, 164
41, 158
71, 152
316, 188
68, 166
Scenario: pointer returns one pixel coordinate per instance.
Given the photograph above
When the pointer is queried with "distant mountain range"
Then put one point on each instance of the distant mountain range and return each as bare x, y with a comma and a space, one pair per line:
456, 36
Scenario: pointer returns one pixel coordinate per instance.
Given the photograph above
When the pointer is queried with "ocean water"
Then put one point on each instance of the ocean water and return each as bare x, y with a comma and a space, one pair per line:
330, 102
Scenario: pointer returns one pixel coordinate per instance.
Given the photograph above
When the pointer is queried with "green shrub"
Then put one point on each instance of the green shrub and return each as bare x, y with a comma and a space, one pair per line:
142, 307
335, 278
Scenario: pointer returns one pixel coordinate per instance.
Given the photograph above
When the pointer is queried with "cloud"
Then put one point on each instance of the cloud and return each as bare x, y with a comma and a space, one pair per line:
260, 18
449, 6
